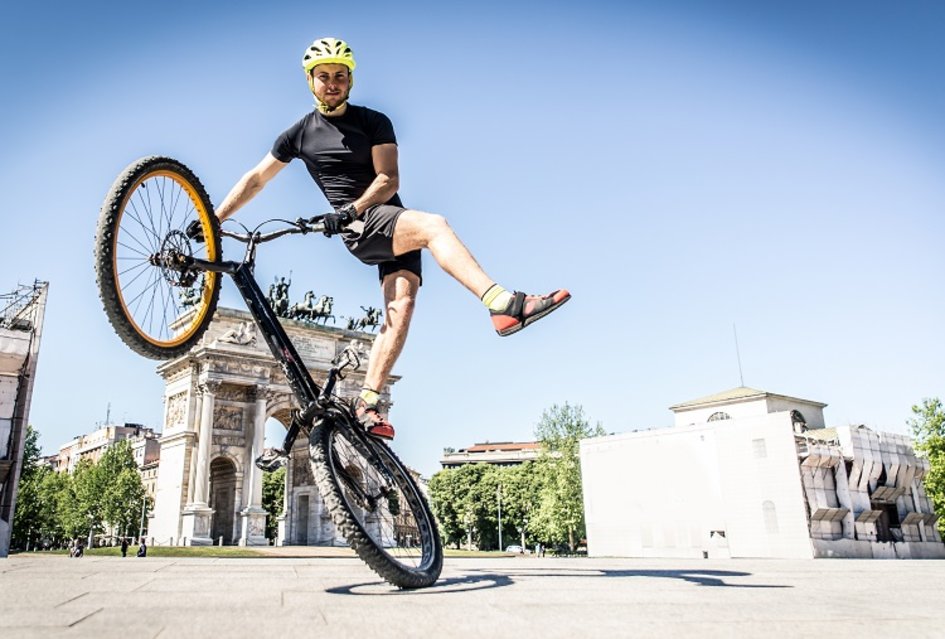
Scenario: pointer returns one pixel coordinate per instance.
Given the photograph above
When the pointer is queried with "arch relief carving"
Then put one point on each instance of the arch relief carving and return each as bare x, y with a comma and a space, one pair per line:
227, 417
176, 409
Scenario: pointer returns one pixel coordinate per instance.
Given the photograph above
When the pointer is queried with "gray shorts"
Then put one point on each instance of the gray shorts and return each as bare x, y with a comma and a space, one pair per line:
371, 239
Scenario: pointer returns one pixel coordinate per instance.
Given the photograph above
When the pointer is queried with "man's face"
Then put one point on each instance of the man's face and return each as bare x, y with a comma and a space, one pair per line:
331, 83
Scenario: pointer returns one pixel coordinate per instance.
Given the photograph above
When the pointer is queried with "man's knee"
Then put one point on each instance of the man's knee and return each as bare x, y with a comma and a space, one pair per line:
433, 224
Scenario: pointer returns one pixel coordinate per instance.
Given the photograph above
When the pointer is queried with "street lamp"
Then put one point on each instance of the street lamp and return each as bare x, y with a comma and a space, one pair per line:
91, 528
144, 501
498, 491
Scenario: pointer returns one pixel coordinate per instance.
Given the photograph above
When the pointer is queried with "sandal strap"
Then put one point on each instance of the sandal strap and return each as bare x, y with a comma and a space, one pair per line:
517, 305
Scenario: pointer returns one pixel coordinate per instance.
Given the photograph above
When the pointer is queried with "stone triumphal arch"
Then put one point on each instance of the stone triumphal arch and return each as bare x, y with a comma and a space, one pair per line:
217, 400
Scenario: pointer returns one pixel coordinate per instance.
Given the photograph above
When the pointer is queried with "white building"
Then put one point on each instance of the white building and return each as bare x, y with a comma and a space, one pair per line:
746, 473
145, 445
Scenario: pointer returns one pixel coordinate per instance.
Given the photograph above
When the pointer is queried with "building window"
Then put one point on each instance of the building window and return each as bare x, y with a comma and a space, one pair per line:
719, 416
759, 449
771, 517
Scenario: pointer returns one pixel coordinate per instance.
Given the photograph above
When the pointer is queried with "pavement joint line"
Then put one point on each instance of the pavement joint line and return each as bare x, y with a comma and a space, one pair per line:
140, 586
160, 630
81, 619
63, 603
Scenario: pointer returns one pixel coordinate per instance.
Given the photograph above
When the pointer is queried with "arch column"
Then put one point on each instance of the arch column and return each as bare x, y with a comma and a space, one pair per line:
253, 528
196, 517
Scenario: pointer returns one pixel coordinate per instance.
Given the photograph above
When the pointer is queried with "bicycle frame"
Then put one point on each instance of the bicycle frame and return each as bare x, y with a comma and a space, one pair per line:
313, 399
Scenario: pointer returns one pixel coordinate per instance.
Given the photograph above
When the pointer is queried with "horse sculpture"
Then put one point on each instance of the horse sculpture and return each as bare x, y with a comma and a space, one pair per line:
308, 310
371, 319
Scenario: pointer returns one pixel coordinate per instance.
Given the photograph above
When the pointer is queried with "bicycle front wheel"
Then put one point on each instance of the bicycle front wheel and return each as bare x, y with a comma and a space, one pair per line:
159, 311
376, 504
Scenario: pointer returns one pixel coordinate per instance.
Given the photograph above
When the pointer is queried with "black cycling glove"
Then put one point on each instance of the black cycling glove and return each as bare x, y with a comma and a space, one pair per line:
342, 217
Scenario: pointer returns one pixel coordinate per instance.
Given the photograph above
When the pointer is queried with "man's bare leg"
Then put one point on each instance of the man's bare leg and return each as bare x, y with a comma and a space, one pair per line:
417, 230
400, 294
510, 312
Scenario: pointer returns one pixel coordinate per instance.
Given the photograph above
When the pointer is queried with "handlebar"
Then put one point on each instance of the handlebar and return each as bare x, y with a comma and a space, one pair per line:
299, 226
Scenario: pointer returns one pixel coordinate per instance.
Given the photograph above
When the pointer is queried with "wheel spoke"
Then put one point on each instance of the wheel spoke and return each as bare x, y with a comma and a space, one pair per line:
152, 281
150, 233
139, 264
146, 205
365, 489
134, 250
127, 285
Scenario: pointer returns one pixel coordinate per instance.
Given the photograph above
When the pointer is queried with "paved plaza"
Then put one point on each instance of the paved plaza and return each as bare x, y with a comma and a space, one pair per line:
55, 596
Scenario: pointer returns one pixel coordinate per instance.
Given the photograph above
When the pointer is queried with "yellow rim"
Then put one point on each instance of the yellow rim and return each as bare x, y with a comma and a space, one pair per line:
210, 278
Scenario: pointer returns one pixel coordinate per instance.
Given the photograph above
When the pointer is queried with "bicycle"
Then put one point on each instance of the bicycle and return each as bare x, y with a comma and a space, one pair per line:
146, 266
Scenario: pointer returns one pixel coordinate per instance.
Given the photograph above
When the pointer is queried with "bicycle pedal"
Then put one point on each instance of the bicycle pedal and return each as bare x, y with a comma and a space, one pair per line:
272, 459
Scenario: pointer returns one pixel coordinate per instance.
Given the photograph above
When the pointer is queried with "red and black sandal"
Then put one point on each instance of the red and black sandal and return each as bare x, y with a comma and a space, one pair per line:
375, 423
524, 309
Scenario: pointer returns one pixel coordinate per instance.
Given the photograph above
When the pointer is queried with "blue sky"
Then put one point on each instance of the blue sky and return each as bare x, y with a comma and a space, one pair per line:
679, 166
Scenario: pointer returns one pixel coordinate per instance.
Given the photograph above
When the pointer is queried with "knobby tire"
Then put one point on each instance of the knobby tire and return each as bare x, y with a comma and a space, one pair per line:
369, 549
125, 203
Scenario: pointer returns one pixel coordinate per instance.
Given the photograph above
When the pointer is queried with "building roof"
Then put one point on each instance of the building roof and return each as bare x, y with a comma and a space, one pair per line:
501, 446
501, 453
739, 394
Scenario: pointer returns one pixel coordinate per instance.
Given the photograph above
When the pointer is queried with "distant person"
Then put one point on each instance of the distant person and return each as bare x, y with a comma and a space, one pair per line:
351, 153
124, 546
142, 549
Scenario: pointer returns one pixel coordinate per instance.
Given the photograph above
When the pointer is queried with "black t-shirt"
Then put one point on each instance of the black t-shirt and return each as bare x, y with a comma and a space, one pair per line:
337, 150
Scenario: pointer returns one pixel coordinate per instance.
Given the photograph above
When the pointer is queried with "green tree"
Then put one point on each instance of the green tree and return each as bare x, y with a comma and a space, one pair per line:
560, 515
445, 501
50, 486
463, 505
29, 514
83, 512
541, 499
123, 493
521, 498
272, 498
928, 428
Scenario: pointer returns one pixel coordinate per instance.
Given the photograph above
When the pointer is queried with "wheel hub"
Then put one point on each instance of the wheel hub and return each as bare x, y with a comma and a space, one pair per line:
175, 259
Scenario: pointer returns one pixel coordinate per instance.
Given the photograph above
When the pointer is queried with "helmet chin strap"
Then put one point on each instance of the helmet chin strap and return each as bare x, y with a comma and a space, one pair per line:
326, 109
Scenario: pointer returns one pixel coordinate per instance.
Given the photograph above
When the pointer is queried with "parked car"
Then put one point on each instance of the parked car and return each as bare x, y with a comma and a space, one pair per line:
515, 548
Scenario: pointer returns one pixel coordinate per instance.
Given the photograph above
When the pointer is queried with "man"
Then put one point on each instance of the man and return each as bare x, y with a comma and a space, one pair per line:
351, 153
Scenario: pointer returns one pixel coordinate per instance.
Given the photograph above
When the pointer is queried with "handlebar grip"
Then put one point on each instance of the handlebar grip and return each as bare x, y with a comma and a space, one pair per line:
315, 223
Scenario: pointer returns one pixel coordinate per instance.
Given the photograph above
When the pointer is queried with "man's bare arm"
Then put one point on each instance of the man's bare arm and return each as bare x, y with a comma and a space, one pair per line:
387, 181
249, 185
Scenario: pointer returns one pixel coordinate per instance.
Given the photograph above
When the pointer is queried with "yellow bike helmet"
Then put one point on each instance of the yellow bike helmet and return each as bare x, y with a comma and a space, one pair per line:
328, 51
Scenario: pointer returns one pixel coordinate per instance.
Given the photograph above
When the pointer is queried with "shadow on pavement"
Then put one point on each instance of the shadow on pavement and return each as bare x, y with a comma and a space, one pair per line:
481, 580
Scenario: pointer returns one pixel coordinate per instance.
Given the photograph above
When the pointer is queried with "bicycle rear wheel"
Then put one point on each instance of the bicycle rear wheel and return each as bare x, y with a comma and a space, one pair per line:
375, 503
158, 311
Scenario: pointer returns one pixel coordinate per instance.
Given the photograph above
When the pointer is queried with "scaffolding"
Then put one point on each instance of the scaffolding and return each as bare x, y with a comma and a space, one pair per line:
21, 322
